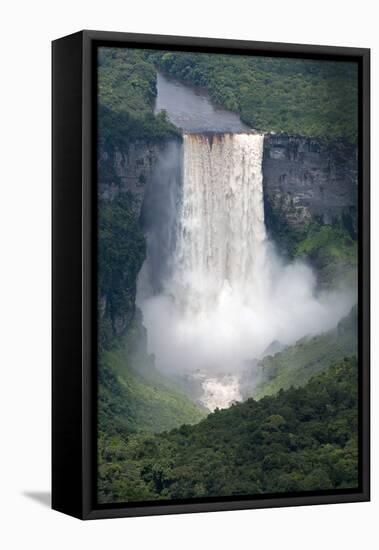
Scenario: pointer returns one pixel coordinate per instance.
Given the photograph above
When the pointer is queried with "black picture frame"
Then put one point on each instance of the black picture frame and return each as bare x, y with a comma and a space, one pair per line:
74, 272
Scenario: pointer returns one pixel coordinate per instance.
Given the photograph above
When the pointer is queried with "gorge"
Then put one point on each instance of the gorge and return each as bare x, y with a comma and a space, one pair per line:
212, 275
225, 295
227, 264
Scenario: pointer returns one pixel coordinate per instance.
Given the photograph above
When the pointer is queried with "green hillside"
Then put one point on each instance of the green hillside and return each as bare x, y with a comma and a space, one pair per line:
330, 249
135, 397
295, 365
301, 439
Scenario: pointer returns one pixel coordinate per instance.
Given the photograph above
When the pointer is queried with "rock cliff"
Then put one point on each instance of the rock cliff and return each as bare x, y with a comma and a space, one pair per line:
123, 180
127, 171
306, 180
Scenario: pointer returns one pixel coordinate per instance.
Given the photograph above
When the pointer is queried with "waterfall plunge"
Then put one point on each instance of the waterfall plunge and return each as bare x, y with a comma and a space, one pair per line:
221, 235
227, 295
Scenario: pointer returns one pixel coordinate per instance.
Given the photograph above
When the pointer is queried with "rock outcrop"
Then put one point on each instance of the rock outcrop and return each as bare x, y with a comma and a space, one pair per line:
131, 180
127, 171
306, 180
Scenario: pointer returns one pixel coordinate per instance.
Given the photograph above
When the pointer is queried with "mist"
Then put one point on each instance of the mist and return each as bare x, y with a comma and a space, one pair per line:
233, 330
213, 291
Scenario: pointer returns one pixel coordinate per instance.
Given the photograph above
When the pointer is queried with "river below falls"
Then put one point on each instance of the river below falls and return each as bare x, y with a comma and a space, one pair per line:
216, 391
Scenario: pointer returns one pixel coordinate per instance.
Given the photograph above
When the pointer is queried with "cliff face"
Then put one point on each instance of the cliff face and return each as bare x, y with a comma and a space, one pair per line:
123, 180
305, 180
127, 171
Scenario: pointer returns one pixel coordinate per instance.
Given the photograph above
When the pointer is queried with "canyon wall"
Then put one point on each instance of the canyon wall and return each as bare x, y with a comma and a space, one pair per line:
125, 180
306, 180
127, 171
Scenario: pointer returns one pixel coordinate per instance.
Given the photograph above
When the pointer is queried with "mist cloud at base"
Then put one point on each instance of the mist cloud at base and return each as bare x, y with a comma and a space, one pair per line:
236, 325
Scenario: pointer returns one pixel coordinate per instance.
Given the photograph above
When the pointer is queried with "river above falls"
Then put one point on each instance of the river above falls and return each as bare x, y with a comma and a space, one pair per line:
191, 109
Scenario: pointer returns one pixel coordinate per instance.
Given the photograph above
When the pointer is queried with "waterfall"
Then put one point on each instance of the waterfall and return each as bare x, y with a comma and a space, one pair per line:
224, 295
221, 235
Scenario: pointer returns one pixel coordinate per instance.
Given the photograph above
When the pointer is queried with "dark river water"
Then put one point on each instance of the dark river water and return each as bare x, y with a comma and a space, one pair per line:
191, 109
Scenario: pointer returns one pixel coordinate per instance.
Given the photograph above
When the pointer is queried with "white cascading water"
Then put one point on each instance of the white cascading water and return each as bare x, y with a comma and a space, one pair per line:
221, 236
228, 295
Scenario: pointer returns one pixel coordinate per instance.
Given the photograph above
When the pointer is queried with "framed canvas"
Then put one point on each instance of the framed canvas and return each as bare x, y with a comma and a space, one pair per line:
210, 275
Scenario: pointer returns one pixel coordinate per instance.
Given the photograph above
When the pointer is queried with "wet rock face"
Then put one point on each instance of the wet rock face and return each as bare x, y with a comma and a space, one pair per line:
126, 171
137, 171
305, 180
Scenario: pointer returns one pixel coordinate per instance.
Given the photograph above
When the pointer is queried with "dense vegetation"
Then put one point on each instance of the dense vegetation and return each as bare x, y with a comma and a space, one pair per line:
153, 442
126, 95
135, 396
331, 249
307, 97
295, 365
298, 440
121, 252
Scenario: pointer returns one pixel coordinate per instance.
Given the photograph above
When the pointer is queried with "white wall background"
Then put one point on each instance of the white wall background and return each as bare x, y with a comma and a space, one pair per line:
26, 31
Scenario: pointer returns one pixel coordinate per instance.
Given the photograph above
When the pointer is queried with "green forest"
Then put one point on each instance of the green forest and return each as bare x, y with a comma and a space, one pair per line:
306, 97
126, 95
297, 427
301, 439
330, 248
302, 97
